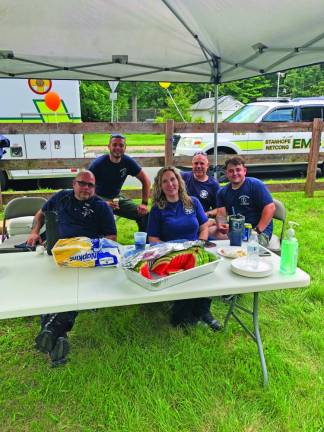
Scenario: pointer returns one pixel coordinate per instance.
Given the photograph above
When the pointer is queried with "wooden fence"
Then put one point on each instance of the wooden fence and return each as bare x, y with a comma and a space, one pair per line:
169, 129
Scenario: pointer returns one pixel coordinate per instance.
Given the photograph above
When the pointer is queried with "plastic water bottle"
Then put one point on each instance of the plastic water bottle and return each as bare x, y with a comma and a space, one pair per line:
253, 250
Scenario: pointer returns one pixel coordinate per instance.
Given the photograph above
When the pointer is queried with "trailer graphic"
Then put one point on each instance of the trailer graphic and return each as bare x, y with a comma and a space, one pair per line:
26, 101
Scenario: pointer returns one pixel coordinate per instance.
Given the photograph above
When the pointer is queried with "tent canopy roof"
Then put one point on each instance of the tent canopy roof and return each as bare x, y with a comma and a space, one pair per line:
158, 40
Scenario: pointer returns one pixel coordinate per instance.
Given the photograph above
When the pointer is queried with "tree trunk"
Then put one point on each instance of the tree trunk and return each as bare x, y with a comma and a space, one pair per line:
134, 102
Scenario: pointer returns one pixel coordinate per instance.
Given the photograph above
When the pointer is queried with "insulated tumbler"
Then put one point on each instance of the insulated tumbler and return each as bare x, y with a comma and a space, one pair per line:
236, 228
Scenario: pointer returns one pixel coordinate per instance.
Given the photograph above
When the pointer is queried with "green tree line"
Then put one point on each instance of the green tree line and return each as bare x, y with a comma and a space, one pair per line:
96, 106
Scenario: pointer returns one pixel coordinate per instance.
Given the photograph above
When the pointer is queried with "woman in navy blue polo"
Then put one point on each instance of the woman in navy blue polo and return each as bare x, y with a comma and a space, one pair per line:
175, 215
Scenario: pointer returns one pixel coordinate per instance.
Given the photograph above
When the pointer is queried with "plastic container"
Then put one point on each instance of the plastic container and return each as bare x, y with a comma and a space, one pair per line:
168, 281
289, 252
140, 240
253, 250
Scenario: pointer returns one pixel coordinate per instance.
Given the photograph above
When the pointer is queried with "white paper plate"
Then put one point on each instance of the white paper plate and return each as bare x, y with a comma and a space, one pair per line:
231, 251
242, 267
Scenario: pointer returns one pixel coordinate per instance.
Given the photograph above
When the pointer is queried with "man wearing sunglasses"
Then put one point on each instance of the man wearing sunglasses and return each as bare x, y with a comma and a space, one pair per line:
111, 172
80, 213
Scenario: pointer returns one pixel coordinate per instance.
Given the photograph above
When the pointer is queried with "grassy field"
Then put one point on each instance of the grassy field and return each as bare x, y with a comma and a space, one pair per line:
96, 139
130, 371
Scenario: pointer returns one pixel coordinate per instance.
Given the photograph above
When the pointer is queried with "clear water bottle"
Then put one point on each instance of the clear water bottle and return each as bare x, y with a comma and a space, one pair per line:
253, 250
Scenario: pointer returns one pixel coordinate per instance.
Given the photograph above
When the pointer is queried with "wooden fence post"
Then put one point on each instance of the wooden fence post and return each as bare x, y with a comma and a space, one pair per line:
313, 157
169, 131
1, 200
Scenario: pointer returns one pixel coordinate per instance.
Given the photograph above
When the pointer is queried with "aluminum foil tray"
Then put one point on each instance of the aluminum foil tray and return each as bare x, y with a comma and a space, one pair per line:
168, 281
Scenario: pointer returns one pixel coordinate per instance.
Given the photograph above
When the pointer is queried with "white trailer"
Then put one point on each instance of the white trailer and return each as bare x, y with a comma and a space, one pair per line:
23, 101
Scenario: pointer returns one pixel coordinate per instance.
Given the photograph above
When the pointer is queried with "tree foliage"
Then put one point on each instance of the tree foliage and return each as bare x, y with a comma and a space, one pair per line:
307, 81
96, 106
182, 98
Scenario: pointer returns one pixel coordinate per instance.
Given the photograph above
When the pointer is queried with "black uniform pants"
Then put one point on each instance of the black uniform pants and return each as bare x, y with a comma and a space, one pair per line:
189, 311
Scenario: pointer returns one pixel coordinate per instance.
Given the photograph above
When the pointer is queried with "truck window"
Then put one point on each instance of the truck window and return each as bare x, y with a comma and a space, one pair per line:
247, 114
310, 112
280, 115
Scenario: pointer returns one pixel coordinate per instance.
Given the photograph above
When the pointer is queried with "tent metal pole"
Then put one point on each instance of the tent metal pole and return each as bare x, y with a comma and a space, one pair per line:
215, 128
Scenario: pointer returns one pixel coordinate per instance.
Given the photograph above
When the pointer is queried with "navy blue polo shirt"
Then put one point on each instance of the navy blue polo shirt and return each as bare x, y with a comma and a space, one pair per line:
92, 218
248, 200
175, 222
205, 191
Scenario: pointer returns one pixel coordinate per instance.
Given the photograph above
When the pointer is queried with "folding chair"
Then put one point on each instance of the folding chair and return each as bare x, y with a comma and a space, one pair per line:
19, 209
280, 214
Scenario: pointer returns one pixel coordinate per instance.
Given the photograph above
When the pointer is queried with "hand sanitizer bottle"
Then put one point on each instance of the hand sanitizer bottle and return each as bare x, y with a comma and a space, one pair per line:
289, 252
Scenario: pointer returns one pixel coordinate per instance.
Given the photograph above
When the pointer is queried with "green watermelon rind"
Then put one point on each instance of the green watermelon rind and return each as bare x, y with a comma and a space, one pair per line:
200, 255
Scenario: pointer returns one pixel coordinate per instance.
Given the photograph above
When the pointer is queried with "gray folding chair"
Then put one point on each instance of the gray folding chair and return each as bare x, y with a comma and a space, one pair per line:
280, 214
18, 208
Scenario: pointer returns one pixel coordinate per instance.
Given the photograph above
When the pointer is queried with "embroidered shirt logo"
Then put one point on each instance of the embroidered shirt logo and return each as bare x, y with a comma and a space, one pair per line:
123, 172
203, 194
86, 210
244, 200
188, 211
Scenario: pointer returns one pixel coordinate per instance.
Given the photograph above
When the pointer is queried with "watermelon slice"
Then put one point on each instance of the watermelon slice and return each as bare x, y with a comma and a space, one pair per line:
143, 269
160, 268
176, 262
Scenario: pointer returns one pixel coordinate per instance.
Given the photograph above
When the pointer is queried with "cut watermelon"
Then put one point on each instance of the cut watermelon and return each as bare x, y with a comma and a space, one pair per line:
144, 271
175, 262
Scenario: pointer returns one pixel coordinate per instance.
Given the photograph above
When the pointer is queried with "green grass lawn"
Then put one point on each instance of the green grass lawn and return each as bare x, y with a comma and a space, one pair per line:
130, 371
97, 139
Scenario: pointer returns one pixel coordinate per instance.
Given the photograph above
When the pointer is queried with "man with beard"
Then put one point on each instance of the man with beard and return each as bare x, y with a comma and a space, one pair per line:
111, 172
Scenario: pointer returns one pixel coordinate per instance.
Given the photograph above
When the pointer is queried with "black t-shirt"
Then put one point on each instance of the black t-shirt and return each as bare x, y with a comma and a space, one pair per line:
111, 176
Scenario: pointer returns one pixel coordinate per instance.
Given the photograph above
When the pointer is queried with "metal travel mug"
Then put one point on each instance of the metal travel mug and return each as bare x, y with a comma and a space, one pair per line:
236, 228
52, 235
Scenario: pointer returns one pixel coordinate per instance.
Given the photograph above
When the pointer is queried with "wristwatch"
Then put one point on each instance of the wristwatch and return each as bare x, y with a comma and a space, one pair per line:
257, 229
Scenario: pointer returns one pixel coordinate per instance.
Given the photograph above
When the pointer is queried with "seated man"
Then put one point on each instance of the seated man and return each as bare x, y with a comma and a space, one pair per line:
111, 172
80, 213
205, 188
247, 196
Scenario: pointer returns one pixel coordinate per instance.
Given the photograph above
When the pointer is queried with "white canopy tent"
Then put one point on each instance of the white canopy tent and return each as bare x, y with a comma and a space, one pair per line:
210, 41
158, 40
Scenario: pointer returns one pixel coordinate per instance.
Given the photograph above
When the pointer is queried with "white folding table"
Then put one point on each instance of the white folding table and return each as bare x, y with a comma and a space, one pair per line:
31, 284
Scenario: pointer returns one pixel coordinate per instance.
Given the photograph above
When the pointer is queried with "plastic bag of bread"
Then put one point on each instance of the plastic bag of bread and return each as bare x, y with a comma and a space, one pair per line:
86, 252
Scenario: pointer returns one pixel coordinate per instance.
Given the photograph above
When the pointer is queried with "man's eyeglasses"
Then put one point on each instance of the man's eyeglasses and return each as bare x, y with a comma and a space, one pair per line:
84, 184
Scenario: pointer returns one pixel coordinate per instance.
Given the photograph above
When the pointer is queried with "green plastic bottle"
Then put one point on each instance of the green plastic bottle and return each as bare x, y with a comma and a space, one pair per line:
289, 252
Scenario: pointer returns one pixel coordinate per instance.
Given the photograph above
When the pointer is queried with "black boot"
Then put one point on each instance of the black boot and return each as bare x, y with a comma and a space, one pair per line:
208, 319
50, 331
52, 338
60, 351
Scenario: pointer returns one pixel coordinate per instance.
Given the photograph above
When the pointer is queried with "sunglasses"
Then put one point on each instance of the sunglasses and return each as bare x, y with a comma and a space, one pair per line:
84, 184
117, 135
200, 153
